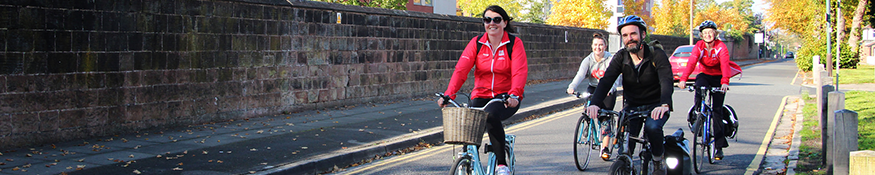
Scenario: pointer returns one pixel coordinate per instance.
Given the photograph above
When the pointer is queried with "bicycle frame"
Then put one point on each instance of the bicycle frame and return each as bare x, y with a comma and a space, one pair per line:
623, 137
477, 168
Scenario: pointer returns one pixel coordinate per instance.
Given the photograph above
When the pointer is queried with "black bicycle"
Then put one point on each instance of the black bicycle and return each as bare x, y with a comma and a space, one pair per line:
624, 164
700, 118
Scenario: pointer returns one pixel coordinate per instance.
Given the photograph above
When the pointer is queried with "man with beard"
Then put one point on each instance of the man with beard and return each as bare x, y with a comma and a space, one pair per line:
647, 85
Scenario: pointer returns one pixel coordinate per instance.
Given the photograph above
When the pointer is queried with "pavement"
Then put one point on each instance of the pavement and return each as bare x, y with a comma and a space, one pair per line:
782, 153
309, 142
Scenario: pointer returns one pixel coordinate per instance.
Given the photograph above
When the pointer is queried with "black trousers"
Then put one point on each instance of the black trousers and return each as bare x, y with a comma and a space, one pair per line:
716, 106
497, 113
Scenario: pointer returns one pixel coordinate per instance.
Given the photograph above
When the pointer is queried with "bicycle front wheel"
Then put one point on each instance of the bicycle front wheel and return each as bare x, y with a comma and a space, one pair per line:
462, 166
583, 143
699, 148
622, 166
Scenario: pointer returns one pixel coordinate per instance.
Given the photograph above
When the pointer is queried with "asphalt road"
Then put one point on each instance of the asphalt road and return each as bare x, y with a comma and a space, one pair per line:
545, 145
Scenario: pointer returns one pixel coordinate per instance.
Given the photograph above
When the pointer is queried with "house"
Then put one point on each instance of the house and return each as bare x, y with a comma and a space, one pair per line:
446, 7
867, 47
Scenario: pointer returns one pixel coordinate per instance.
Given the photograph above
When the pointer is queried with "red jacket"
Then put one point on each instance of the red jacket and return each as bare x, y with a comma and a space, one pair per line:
494, 73
715, 62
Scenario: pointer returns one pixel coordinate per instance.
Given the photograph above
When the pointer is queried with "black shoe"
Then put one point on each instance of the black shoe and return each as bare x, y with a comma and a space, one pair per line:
719, 154
606, 155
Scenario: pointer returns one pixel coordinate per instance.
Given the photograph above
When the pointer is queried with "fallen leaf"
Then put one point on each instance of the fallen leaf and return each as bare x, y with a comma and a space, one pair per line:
220, 161
211, 161
253, 149
177, 169
251, 172
304, 147
180, 164
10, 160
26, 166
69, 168
137, 172
15, 169
205, 152
131, 156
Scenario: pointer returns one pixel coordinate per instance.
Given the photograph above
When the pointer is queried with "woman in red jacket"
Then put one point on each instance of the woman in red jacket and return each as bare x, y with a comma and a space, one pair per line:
500, 67
714, 57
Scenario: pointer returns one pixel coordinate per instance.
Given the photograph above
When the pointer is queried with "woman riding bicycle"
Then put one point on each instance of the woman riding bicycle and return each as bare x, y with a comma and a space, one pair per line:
592, 68
497, 71
714, 57
647, 84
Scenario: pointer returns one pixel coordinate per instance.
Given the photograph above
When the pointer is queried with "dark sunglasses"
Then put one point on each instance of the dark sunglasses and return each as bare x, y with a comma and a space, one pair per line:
496, 19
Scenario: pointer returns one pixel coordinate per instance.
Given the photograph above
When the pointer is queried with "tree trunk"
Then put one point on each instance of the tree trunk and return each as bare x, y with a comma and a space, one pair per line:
856, 24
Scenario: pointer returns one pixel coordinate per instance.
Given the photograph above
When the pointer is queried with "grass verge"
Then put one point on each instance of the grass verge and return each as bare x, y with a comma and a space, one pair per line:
862, 74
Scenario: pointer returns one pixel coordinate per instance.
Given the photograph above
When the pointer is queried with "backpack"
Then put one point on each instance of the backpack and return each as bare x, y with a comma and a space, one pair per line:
509, 45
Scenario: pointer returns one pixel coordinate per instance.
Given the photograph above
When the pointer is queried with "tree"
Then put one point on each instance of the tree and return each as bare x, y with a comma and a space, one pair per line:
794, 16
669, 18
474, 8
855, 25
580, 13
727, 20
536, 12
388, 4
636, 7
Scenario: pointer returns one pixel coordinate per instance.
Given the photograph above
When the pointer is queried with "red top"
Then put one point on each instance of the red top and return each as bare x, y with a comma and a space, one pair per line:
714, 62
494, 72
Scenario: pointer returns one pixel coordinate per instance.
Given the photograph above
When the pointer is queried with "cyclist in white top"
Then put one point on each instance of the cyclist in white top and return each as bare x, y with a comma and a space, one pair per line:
592, 68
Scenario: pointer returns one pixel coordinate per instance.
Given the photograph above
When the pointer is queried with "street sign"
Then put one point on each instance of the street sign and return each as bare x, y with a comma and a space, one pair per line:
758, 37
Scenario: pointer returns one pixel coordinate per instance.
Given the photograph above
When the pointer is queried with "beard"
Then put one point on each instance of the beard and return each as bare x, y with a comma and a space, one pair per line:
633, 48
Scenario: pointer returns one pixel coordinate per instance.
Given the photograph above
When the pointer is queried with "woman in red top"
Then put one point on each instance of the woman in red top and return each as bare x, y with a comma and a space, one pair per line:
714, 57
496, 72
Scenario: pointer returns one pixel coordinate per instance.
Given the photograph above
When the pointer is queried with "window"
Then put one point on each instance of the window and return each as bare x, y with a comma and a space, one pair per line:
422, 2
620, 9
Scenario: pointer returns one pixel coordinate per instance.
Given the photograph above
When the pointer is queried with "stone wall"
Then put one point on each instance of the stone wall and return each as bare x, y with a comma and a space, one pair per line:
80, 69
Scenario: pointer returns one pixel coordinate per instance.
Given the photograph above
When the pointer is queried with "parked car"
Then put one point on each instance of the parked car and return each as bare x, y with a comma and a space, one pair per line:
678, 61
789, 55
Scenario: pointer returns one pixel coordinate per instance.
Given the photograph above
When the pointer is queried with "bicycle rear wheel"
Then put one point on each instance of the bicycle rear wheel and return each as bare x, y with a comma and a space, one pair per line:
699, 149
462, 166
583, 143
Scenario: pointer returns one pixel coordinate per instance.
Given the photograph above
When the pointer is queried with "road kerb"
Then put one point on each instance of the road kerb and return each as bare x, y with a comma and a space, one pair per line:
755, 164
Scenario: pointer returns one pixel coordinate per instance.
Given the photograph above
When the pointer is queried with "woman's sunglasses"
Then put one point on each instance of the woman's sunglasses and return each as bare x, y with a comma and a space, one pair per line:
496, 19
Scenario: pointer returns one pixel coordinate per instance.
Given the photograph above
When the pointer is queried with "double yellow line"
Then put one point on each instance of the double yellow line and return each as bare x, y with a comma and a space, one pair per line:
383, 165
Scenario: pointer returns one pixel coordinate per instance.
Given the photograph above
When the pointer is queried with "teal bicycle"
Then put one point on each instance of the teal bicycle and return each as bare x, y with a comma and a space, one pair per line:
586, 136
470, 122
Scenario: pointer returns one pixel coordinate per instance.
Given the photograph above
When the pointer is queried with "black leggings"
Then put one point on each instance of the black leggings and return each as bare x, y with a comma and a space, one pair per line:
610, 100
497, 113
716, 106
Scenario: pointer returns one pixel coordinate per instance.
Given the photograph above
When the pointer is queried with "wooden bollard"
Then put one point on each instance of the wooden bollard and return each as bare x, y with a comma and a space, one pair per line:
861, 162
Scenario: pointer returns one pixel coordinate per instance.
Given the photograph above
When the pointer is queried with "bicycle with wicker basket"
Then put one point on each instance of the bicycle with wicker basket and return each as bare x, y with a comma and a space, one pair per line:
465, 125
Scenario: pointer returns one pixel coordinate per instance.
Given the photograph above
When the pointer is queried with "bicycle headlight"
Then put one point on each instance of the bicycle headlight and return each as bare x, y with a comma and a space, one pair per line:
672, 162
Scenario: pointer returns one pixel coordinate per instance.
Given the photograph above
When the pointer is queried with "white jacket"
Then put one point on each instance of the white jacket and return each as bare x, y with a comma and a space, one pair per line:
591, 71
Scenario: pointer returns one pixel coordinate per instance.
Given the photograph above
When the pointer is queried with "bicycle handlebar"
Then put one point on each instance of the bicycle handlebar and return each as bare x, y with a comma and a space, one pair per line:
447, 100
712, 90
581, 94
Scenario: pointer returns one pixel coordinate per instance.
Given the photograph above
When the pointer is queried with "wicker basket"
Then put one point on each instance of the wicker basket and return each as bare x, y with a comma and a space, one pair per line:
464, 125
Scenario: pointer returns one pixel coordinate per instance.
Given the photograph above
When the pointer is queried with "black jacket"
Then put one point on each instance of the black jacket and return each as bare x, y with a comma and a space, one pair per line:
650, 85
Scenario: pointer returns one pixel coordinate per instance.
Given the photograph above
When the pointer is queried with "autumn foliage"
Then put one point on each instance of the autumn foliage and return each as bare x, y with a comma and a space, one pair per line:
580, 13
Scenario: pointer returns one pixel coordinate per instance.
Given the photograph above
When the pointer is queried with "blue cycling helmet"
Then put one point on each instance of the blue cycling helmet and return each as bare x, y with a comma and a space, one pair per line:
632, 19
707, 24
